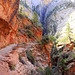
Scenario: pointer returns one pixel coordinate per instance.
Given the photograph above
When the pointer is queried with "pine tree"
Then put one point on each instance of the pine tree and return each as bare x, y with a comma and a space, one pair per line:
35, 19
21, 10
69, 32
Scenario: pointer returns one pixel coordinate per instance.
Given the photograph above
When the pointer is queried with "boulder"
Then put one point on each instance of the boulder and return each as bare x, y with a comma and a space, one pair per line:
13, 58
4, 68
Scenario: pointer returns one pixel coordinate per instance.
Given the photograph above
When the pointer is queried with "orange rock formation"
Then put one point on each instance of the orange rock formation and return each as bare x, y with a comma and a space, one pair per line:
10, 23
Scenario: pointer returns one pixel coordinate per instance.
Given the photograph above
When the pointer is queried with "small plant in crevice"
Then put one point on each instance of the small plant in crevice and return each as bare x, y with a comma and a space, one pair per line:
37, 41
33, 72
29, 27
22, 31
48, 71
40, 71
19, 57
29, 33
12, 67
21, 60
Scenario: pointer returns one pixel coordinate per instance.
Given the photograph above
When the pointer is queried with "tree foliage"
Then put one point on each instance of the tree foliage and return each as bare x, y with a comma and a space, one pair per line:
35, 18
48, 71
69, 32
21, 9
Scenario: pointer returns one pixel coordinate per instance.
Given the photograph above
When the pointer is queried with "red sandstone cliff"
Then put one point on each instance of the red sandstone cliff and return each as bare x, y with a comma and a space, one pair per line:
10, 23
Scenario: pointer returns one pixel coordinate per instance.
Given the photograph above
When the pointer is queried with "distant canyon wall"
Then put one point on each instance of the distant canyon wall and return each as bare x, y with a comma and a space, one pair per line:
54, 14
58, 14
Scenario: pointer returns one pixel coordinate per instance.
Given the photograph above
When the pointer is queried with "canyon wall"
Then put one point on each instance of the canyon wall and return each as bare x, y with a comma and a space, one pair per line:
57, 17
54, 14
12, 25
8, 19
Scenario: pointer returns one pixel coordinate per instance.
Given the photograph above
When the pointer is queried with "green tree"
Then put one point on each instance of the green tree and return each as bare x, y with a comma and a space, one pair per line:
21, 10
35, 19
52, 38
48, 71
69, 32
62, 66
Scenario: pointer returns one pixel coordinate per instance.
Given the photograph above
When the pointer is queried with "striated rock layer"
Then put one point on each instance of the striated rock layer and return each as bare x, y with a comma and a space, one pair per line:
8, 13
10, 24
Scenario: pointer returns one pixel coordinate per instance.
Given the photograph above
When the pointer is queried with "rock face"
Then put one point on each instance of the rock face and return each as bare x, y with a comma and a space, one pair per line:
12, 27
18, 63
4, 69
27, 31
13, 58
7, 15
11, 64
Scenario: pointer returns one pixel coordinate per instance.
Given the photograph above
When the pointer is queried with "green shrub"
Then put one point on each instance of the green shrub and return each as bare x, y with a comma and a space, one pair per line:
66, 59
20, 16
29, 33
40, 70
30, 57
35, 18
12, 67
29, 27
40, 25
21, 31
73, 55
48, 71
24, 43
63, 65
45, 40
19, 56
52, 38
37, 41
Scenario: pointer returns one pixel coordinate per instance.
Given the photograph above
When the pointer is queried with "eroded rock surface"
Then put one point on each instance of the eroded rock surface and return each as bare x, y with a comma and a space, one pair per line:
4, 68
12, 26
